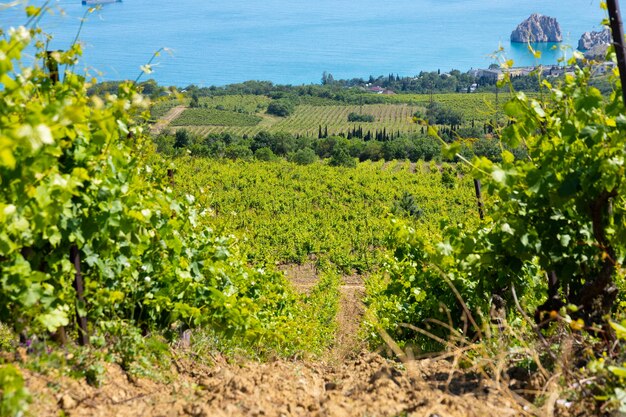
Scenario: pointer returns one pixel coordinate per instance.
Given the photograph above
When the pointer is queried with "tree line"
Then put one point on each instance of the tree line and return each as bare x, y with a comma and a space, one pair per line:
342, 150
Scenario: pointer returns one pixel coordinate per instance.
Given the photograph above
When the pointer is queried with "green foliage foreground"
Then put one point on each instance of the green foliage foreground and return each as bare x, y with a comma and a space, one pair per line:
77, 174
555, 231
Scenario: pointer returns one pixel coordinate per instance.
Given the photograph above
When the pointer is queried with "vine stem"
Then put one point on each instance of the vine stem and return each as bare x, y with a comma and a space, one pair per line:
79, 286
147, 66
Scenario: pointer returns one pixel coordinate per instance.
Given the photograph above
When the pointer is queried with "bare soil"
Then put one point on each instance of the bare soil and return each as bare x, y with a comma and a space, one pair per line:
164, 121
350, 381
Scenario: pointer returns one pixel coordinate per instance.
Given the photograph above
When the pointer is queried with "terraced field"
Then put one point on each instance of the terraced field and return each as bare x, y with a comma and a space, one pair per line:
307, 120
245, 114
477, 106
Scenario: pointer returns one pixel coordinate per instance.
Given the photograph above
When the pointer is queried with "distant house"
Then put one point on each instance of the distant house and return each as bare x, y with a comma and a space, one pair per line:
556, 71
553, 71
519, 71
495, 74
388, 92
604, 67
490, 74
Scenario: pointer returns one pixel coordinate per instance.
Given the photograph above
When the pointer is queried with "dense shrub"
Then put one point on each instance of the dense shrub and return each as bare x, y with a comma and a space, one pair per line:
355, 117
436, 114
489, 148
264, 154
372, 151
304, 156
181, 139
281, 107
237, 152
341, 157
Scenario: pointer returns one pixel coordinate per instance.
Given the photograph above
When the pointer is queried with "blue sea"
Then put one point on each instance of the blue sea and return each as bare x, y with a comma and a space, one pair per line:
218, 42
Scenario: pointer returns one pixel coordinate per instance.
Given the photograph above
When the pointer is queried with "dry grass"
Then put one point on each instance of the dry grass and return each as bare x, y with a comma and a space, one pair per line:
516, 361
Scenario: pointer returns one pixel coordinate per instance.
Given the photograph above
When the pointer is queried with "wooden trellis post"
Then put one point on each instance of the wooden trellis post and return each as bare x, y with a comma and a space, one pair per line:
479, 198
53, 67
617, 30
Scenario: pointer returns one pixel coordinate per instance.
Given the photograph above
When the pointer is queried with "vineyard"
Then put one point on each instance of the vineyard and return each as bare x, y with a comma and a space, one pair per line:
245, 114
249, 104
98, 255
200, 116
286, 213
480, 107
134, 282
307, 120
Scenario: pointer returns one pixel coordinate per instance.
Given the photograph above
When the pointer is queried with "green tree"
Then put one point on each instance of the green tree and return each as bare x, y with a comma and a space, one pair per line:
372, 151
281, 107
440, 115
182, 139
304, 156
237, 151
264, 154
355, 117
195, 101
341, 157
263, 139
489, 148
282, 143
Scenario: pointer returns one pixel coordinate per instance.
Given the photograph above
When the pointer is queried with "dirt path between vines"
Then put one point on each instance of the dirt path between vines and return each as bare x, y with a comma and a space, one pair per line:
350, 382
164, 121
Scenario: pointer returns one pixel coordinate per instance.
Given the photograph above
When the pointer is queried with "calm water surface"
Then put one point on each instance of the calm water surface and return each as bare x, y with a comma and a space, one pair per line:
294, 41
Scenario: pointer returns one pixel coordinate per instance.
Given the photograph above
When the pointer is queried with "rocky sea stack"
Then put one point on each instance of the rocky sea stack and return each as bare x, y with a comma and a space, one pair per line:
537, 28
590, 40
